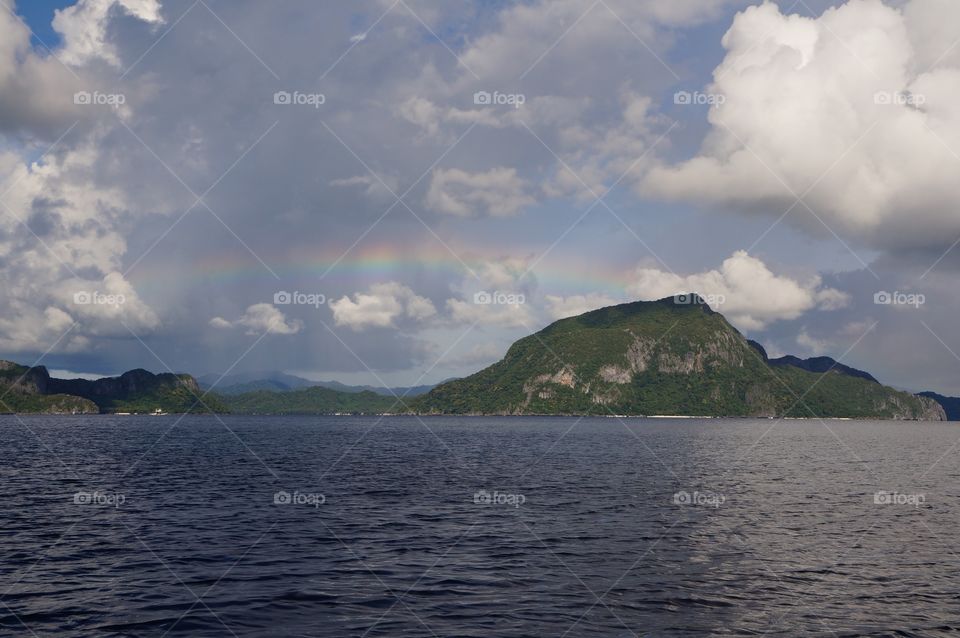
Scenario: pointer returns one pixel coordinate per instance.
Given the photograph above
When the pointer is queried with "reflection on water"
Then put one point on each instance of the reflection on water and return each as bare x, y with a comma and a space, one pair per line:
126, 526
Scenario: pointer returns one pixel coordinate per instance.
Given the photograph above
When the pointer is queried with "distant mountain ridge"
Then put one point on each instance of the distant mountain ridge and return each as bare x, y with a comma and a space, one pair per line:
400, 391
278, 381
274, 381
33, 390
665, 357
29, 390
814, 364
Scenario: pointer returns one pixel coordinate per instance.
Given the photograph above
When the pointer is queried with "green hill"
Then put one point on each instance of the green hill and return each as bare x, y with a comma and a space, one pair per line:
663, 358
24, 390
314, 400
33, 390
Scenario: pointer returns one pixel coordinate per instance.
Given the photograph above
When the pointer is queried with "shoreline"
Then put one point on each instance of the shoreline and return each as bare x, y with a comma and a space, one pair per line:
479, 416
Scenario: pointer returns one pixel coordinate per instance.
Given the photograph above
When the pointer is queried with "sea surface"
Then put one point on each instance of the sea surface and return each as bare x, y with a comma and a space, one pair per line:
355, 526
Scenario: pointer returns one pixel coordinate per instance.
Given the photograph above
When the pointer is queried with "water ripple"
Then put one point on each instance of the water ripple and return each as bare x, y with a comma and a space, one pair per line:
633, 528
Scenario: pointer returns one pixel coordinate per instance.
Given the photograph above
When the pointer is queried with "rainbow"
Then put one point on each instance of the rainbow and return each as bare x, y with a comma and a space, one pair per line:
372, 264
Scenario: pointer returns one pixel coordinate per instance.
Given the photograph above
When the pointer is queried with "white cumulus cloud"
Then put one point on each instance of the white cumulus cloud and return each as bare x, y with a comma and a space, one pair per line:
744, 289
381, 306
261, 318
855, 110
83, 27
560, 307
36, 92
505, 315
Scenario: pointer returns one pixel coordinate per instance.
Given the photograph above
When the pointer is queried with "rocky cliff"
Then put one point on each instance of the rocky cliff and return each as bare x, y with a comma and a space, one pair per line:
34, 390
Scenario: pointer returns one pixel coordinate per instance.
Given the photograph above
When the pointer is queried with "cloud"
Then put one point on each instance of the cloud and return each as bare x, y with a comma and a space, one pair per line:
36, 92
505, 315
591, 149
561, 307
511, 274
27, 328
83, 27
381, 306
63, 222
259, 319
65, 231
109, 307
744, 290
480, 354
72, 315
603, 32
499, 192
199, 103
853, 110
370, 186
818, 347
832, 299
497, 293
430, 117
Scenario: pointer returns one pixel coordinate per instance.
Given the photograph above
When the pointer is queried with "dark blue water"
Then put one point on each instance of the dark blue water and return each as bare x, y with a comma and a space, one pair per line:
153, 526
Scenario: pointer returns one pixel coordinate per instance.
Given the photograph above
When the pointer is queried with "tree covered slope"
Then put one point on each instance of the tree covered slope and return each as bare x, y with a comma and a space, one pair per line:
662, 358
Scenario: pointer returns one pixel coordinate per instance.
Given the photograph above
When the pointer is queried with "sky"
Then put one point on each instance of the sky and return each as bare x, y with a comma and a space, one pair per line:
391, 192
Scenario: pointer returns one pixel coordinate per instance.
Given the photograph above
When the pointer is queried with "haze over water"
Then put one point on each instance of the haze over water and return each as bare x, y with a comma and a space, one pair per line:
477, 527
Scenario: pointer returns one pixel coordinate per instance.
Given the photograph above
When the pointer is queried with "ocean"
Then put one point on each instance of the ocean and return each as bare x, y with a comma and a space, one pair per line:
398, 526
